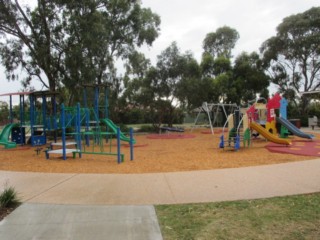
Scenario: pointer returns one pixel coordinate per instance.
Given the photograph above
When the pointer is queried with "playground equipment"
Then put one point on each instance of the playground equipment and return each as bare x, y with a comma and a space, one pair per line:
293, 129
215, 109
235, 121
171, 129
278, 102
115, 128
90, 136
34, 120
262, 118
261, 115
87, 124
5, 135
267, 135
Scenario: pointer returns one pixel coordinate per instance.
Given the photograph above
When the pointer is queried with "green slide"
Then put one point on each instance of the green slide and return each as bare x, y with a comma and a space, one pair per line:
5, 134
114, 127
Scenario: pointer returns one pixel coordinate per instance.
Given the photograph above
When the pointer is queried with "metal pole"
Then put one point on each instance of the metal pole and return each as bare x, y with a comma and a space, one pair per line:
11, 112
22, 135
63, 127
96, 102
44, 110
106, 110
31, 118
106, 103
118, 146
131, 144
78, 129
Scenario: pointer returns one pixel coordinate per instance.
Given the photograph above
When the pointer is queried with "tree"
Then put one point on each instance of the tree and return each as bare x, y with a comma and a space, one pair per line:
31, 41
72, 42
216, 63
249, 77
166, 87
293, 55
4, 113
218, 71
221, 42
103, 32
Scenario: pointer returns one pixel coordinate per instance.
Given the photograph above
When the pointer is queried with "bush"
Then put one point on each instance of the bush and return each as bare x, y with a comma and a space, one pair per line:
9, 198
147, 128
124, 128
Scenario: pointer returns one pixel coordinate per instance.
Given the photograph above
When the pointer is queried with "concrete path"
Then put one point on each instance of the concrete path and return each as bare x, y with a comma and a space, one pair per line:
83, 206
43, 221
167, 188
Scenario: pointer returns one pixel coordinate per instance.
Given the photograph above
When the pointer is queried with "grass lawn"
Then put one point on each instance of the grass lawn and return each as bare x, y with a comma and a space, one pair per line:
294, 217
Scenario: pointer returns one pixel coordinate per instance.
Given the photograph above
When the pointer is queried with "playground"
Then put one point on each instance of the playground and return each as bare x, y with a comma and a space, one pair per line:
201, 152
95, 144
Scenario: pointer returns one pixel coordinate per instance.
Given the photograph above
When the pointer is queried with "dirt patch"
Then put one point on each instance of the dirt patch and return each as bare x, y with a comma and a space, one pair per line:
5, 212
154, 155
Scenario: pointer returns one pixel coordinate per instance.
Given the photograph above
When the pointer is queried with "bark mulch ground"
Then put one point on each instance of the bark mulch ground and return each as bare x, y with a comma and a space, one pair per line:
151, 155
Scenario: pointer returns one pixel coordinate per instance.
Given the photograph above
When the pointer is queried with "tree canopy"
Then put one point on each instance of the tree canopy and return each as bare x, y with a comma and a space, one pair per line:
65, 43
221, 42
293, 55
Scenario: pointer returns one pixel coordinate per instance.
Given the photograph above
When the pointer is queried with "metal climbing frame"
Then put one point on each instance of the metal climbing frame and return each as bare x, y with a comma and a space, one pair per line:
208, 108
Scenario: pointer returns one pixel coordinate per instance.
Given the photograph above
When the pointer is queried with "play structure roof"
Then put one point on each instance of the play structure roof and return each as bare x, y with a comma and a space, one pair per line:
46, 93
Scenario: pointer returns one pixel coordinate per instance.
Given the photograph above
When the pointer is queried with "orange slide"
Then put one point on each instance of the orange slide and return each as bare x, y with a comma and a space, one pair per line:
269, 136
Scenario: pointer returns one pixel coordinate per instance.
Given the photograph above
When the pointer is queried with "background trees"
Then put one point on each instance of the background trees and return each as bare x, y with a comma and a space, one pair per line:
221, 42
65, 43
163, 89
293, 56
233, 83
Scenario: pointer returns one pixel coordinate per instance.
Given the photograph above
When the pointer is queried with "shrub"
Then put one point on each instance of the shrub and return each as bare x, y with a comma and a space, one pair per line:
147, 128
9, 198
124, 128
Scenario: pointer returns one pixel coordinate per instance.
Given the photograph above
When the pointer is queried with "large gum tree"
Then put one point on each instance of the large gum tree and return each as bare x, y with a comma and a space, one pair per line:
293, 55
65, 43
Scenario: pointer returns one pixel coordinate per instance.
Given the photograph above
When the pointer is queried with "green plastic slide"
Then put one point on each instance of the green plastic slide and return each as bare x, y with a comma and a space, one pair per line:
114, 127
5, 134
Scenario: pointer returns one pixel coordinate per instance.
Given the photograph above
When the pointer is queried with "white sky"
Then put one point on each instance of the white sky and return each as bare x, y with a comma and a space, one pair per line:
188, 21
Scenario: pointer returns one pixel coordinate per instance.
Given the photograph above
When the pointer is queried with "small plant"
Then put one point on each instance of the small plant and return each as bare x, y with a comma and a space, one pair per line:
9, 198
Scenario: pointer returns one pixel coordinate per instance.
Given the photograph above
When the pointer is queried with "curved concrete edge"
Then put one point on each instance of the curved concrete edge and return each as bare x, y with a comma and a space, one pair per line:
167, 188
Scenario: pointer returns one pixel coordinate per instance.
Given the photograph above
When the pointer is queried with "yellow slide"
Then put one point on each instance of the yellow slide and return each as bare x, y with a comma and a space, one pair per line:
269, 136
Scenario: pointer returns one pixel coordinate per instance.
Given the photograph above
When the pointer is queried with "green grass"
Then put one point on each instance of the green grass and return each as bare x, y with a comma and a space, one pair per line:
294, 217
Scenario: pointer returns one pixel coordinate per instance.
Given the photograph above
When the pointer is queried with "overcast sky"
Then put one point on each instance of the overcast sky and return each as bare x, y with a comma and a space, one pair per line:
188, 21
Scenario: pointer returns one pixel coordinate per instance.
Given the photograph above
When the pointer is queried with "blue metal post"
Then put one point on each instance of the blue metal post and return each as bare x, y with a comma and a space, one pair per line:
106, 110
96, 102
32, 117
44, 111
118, 146
21, 109
87, 119
131, 144
23, 119
106, 103
63, 128
78, 128
55, 126
21, 105
11, 112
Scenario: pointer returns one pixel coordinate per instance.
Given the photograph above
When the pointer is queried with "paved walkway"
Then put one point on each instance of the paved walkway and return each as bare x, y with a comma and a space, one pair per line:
80, 222
167, 188
81, 196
